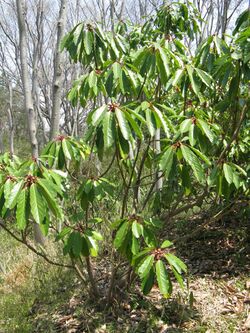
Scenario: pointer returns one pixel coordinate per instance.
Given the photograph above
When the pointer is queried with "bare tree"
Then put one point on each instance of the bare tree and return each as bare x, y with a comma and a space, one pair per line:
28, 100
58, 72
11, 119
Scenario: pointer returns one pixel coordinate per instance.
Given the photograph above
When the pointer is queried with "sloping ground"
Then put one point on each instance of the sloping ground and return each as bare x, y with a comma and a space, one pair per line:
216, 298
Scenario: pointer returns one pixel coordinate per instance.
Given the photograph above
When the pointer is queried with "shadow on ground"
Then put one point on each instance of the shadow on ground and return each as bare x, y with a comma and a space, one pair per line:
220, 250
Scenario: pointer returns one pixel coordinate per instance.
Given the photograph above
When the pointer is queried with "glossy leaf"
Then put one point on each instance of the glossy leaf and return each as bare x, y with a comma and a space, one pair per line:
97, 116
185, 125
228, 172
166, 161
21, 209
146, 266
205, 128
162, 278
121, 234
166, 243
193, 161
177, 263
123, 124
148, 282
13, 196
37, 206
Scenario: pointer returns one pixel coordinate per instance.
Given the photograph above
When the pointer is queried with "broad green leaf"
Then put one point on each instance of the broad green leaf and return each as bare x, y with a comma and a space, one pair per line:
178, 277
65, 231
51, 187
48, 195
205, 77
228, 172
186, 180
163, 123
75, 243
205, 128
109, 84
161, 69
85, 251
162, 278
88, 185
93, 246
134, 125
116, 224
193, 161
114, 49
236, 180
137, 229
13, 196
37, 206
146, 266
185, 125
8, 185
66, 150
240, 169
218, 44
97, 235
243, 18
121, 234
98, 115
149, 122
137, 115
107, 130
135, 245
166, 161
44, 226
177, 76
141, 253
177, 263
92, 79
166, 243
162, 64
165, 61
61, 158
117, 70
88, 41
21, 209
194, 85
148, 282
123, 124
191, 135
202, 156
132, 78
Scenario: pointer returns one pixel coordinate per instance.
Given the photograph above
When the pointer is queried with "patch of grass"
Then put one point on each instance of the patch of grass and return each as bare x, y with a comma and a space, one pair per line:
29, 286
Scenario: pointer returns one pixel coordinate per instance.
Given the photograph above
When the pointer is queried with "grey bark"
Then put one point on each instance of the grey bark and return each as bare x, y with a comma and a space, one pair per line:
159, 182
27, 90
58, 72
28, 100
10, 120
1, 137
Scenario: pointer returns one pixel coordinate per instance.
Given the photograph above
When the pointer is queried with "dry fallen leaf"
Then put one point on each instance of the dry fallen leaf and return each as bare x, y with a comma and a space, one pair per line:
247, 322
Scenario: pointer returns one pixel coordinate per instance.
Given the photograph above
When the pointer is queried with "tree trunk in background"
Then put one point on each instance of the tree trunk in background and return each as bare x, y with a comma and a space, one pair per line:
28, 100
58, 72
36, 70
112, 14
1, 137
10, 120
224, 19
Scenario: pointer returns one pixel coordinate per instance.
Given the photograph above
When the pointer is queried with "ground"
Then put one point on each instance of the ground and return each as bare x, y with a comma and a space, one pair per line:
35, 297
